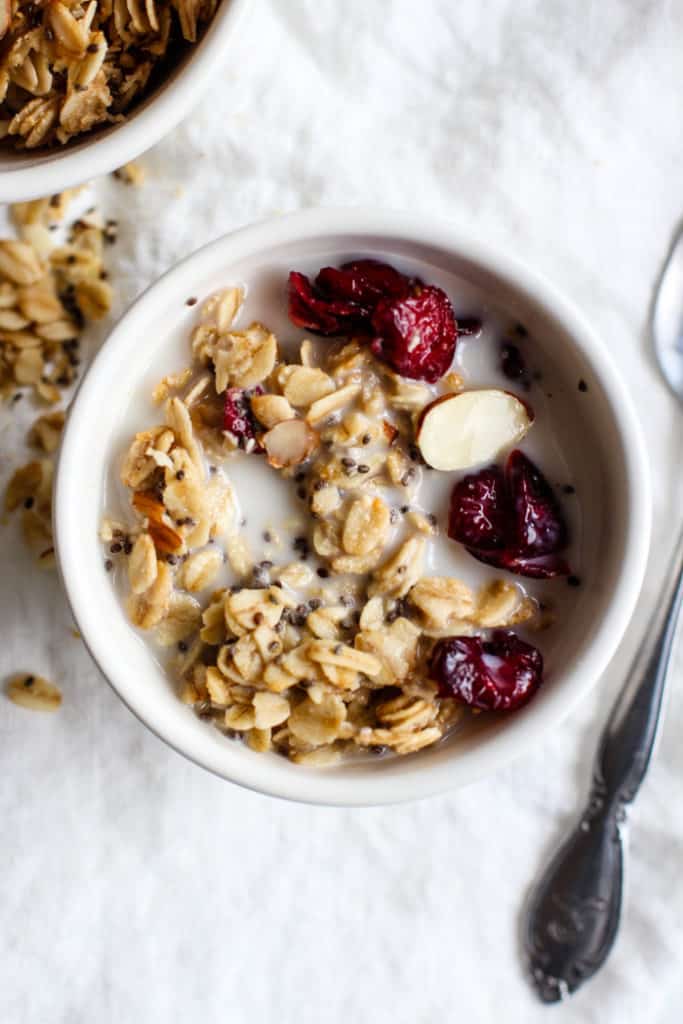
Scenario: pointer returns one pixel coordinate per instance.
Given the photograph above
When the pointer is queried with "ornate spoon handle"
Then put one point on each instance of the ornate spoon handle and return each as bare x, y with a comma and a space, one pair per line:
574, 911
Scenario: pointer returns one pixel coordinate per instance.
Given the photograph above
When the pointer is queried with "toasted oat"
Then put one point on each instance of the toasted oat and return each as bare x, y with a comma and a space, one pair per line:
142, 564
366, 527
239, 555
325, 407
502, 604
34, 693
182, 619
46, 431
270, 710
444, 603
401, 572
24, 484
326, 499
271, 409
148, 609
173, 382
244, 359
317, 724
307, 385
395, 647
200, 569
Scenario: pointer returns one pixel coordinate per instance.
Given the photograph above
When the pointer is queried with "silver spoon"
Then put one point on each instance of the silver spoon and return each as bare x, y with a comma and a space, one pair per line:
573, 913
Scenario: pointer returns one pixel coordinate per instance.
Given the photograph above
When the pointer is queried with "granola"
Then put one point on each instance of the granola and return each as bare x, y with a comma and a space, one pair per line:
47, 293
70, 66
310, 663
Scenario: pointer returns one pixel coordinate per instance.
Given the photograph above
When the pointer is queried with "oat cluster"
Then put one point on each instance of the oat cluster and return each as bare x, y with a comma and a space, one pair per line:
69, 66
29, 491
47, 293
326, 654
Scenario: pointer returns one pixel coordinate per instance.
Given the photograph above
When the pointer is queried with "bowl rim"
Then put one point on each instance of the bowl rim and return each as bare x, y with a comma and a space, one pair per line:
372, 788
103, 153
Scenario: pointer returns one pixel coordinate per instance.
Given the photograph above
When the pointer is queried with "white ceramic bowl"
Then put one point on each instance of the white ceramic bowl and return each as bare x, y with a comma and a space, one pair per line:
609, 465
35, 173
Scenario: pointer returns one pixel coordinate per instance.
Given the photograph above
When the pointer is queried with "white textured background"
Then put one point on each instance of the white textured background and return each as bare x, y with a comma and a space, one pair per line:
137, 888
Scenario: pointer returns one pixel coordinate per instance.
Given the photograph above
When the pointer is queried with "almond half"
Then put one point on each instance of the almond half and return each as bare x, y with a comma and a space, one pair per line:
289, 443
463, 430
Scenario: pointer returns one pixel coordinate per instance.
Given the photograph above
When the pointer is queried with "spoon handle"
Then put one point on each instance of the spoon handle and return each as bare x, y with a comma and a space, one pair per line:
574, 911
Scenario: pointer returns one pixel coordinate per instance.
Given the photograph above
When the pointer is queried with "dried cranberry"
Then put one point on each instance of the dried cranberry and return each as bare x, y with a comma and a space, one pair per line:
513, 522
540, 528
478, 514
500, 674
363, 282
238, 418
543, 567
469, 327
312, 311
416, 336
512, 363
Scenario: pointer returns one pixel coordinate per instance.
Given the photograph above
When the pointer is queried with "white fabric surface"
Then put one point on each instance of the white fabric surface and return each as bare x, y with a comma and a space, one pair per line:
137, 887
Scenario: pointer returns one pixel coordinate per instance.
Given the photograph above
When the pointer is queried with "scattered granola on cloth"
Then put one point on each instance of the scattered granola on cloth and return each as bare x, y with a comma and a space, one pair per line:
29, 490
312, 663
47, 293
69, 66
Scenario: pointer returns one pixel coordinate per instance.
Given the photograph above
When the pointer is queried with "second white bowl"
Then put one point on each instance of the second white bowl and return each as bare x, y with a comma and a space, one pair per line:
31, 174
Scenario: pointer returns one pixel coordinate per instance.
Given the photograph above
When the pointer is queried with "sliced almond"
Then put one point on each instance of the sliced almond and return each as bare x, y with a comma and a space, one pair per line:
166, 540
271, 409
463, 430
270, 709
289, 443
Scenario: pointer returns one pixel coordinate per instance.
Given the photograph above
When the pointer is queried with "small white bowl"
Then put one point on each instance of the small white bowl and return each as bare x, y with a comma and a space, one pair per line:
610, 471
32, 174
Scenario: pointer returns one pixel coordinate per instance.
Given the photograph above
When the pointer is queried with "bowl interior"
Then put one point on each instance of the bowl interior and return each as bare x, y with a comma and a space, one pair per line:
593, 431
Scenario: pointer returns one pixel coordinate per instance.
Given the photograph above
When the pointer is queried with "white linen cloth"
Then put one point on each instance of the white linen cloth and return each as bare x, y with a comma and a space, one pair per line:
135, 886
